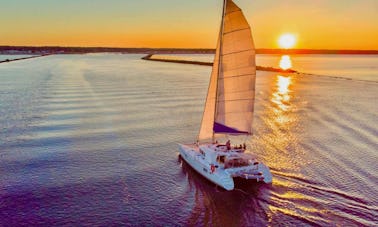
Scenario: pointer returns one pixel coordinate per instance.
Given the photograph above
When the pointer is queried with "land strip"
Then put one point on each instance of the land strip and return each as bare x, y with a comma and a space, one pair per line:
24, 58
149, 57
83, 50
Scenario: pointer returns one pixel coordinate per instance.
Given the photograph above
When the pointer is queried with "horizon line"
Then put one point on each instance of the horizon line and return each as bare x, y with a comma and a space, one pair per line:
104, 48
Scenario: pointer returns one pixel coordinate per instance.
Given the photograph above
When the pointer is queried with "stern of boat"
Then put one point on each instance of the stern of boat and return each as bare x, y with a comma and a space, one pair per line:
259, 173
265, 173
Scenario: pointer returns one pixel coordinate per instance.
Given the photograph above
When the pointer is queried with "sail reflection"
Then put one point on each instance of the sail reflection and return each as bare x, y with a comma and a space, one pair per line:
285, 62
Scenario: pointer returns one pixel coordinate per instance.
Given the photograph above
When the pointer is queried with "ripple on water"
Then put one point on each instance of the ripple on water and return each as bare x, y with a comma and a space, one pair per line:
92, 139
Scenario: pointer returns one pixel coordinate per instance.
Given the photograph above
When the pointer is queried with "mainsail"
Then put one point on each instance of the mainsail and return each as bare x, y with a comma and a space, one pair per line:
231, 92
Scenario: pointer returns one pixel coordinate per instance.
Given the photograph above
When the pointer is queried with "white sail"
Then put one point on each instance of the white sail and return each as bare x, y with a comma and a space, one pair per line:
228, 108
230, 98
206, 130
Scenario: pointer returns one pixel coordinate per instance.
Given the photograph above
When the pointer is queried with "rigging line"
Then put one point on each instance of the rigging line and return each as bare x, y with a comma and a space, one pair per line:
240, 29
240, 51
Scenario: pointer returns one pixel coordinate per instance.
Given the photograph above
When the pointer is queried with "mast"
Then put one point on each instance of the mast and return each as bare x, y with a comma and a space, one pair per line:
220, 59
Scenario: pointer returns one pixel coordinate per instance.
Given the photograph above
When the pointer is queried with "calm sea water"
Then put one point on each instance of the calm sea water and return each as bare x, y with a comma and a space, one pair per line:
91, 140
358, 67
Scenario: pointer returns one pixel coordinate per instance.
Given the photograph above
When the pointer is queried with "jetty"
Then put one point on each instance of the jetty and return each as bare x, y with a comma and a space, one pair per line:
149, 57
24, 58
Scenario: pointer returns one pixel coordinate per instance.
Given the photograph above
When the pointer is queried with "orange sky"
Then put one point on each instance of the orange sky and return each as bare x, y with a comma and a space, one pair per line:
320, 24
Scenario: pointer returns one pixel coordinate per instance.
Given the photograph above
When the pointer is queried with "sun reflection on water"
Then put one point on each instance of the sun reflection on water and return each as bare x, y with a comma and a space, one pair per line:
278, 134
285, 62
282, 95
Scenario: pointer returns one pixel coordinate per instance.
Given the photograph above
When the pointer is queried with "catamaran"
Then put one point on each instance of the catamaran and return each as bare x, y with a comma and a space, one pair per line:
229, 108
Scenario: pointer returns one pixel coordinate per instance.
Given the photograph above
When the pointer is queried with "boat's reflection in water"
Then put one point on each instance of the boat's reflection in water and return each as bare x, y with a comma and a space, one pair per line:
214, 206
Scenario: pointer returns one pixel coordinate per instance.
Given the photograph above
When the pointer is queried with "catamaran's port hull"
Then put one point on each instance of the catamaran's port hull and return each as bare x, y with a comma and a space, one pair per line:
192, 156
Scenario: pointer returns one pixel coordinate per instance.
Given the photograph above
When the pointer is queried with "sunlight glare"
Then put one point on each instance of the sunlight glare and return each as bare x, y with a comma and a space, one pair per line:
282, 95
285, 62
283, 84
287, 41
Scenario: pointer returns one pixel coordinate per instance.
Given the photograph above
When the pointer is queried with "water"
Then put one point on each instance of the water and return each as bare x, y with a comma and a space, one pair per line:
91, 140
357, 67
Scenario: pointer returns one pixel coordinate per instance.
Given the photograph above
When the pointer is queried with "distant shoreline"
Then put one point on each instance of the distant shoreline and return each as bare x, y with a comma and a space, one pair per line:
39, 50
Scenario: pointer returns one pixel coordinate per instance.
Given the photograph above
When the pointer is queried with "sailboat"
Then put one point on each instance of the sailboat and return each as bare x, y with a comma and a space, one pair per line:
229, 108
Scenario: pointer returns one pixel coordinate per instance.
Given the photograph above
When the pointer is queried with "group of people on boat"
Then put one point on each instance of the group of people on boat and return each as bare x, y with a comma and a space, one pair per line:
241, 146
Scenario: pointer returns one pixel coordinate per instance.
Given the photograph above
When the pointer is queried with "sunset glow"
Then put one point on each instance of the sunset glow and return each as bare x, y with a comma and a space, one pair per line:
287, 41
187, 24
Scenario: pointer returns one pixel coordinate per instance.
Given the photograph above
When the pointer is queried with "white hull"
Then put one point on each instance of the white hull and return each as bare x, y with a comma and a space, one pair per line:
192, 156
221, 176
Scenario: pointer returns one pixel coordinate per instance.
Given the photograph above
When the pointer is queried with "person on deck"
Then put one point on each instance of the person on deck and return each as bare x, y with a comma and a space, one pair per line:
228, 145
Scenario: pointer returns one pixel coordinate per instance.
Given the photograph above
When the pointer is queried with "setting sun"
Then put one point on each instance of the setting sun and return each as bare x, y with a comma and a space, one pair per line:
287, 41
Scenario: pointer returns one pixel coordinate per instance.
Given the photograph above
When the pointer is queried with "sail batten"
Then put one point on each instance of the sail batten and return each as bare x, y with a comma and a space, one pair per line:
236, 52
231, 93
226, 33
